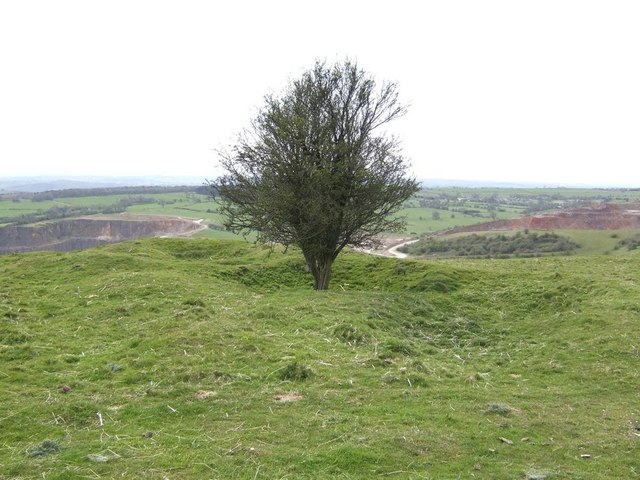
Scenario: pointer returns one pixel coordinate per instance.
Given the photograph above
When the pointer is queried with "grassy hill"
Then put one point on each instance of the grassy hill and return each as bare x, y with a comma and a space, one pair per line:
215, 359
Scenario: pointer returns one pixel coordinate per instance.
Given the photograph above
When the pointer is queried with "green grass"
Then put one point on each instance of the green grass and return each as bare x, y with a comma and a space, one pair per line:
14, 209
420, 220
598, 241
215, 359
182, 202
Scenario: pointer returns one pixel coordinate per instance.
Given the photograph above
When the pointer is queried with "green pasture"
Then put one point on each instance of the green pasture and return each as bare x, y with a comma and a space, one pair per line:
23, 207
421, 220
8, 207
598, 241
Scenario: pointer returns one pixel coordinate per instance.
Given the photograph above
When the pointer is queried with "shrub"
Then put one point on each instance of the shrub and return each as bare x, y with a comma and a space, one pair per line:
483, 246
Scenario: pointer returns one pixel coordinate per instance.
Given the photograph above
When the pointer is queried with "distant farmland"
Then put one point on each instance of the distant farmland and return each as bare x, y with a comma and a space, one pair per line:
428, 212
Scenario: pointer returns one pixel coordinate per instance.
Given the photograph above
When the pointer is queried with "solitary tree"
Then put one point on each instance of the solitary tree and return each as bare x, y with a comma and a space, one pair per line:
311, 171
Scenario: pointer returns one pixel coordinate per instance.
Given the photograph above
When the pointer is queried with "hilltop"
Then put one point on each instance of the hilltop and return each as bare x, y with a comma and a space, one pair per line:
215, 359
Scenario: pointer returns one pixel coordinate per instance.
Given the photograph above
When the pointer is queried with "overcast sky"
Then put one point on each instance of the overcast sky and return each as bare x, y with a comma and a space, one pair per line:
527, 91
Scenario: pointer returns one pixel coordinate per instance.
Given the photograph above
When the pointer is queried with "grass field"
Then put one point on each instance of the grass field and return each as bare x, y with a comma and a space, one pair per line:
421, 220
598, 241
215, 359
14, 209
187, 203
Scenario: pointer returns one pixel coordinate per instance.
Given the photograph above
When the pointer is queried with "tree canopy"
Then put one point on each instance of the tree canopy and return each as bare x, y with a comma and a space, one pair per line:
311, 170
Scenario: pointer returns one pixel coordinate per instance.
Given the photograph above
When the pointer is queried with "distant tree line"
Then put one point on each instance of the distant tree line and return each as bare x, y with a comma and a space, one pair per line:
103, 192
438, 203
219, 228
520, 244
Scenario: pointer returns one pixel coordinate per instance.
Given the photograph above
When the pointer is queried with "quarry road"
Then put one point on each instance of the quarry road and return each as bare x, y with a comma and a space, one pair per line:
389, 248
201, 226
394, 250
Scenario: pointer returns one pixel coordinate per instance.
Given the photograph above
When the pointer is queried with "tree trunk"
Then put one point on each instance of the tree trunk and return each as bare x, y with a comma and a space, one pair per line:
321, 270
323, 276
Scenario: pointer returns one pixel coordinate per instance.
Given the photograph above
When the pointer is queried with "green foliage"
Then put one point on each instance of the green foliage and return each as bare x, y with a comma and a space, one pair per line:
201, 368
629, 243
315, 171
475, 245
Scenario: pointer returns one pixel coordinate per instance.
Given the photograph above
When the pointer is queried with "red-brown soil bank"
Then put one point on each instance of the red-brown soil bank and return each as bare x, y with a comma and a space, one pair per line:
76, 234
597, 217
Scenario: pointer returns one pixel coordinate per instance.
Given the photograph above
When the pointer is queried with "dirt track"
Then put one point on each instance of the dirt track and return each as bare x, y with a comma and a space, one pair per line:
389, 247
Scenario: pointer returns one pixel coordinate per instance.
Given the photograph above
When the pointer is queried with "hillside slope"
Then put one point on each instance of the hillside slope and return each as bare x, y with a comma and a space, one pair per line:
215, 359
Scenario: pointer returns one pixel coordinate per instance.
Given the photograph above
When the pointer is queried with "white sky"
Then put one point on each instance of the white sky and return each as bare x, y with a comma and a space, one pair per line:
541, 91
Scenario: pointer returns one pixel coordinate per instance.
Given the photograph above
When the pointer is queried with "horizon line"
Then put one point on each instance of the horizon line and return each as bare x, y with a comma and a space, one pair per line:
425, 182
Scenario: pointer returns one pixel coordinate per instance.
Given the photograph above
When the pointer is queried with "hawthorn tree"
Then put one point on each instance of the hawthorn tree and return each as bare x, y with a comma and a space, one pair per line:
312, 170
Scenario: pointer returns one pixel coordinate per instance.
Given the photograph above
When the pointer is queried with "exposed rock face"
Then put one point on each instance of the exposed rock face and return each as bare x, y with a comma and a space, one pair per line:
76, 234
598, 217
